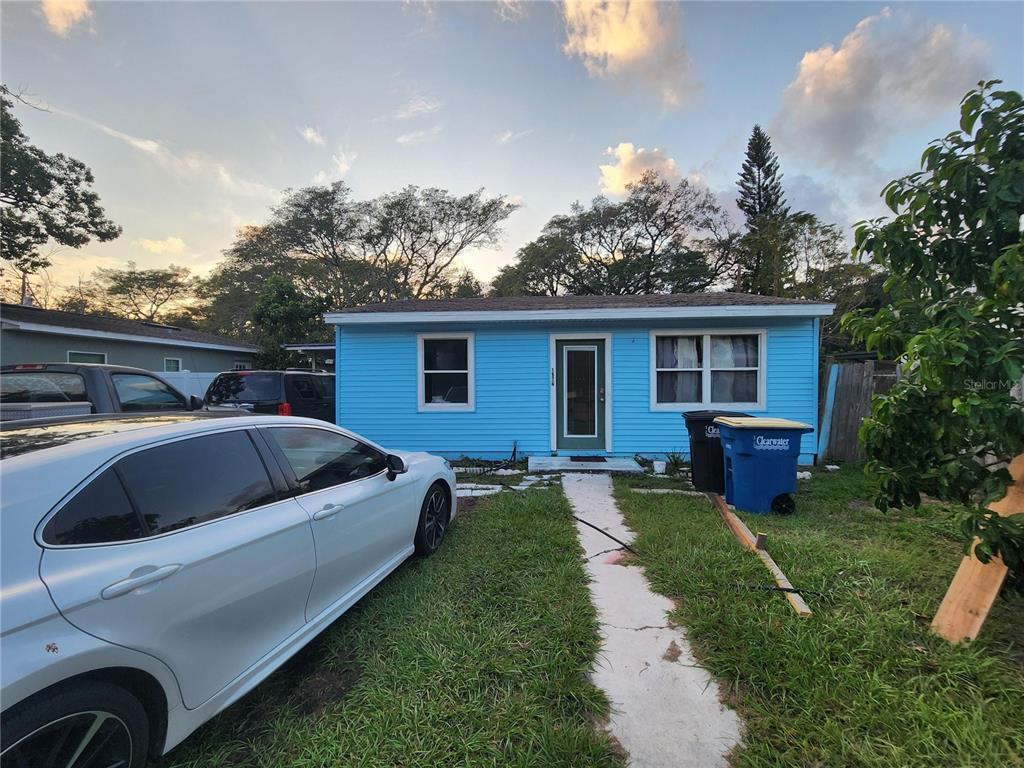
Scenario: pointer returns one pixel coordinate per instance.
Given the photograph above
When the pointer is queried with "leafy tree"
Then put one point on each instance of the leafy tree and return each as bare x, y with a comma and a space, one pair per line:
283, 314
760, 181
955, 254
43, 198
661, 239
142, 294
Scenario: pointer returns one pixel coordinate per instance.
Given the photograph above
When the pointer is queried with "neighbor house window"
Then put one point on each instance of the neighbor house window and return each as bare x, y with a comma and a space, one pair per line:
172, 364
445, 372
242, 365
87, 357
692, 369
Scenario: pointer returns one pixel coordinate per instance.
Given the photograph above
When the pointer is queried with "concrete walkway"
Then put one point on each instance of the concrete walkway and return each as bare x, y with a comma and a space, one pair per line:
665, 708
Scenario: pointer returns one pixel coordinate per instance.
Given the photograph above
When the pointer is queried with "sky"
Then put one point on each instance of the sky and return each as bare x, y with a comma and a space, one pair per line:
196, 116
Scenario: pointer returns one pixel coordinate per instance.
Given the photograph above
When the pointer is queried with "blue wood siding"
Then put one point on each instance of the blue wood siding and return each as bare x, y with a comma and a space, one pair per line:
377, 378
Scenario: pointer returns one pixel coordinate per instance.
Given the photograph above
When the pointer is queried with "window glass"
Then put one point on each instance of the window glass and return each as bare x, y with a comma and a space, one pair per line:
137, 392
304, 387
192, 481
679, 361
42, 387
100, 513
244, 388
322, 459
445, 371
679, 386
325, 386
679, 352
734, 351
172, 364
730, 363
87, 357
242, 365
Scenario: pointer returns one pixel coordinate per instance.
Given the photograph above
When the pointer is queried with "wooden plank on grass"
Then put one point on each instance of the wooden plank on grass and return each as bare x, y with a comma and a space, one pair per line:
749, 541
976, 584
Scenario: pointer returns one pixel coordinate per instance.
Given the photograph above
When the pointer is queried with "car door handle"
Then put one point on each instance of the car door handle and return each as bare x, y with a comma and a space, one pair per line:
132, 583
328, 510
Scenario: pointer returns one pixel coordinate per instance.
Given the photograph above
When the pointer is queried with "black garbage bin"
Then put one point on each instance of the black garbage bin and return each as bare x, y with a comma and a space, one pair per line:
707, 470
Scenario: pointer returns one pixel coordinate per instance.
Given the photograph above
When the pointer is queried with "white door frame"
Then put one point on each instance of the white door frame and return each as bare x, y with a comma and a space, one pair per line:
552, 360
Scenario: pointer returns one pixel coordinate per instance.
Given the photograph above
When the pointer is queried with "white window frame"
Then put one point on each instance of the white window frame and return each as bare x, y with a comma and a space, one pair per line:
241, 365
177, 360
71, 352
705, 402
469, 338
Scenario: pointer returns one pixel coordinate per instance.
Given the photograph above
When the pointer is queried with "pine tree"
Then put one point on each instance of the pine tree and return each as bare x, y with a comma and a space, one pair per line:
760, 181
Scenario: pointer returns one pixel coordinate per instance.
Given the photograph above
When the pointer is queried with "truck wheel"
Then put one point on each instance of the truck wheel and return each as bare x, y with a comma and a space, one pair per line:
783, 504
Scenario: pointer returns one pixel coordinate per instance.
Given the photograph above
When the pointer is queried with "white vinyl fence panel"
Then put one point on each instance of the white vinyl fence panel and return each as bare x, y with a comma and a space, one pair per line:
188, 382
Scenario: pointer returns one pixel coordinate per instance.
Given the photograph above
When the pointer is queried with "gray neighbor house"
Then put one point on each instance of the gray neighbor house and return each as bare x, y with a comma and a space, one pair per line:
33, 335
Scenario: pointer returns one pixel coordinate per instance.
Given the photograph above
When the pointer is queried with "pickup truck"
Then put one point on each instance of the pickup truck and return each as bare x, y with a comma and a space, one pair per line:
45, 390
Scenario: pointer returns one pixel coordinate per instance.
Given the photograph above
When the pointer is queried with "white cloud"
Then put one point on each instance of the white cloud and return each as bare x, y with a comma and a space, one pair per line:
637, 40
62, 15
892, 70
508, 137
418, 106
420, 137
188, 164
312, 136
631, 163
510, 10
172, 246
341, 164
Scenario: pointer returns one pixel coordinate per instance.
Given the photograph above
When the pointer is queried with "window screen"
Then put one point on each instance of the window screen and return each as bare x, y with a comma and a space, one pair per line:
192, 481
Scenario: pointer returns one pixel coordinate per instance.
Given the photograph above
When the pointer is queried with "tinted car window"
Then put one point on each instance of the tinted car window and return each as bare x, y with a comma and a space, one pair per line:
192, 481
304, 387
100, 513
325, 386
321, 459
42, 387
244, 387
137, 392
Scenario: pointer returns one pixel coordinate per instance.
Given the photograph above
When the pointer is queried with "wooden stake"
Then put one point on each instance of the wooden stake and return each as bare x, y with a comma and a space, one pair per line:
756, 545
976, 585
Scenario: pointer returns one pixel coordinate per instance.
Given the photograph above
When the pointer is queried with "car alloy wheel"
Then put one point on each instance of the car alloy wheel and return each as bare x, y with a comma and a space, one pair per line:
90, 739
435, 518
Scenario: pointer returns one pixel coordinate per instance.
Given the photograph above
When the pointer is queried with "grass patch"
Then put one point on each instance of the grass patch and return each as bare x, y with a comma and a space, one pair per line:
475, 656
862, 682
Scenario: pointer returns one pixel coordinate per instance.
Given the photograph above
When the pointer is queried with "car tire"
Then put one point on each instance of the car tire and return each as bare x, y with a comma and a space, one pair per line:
105, 721
435, 514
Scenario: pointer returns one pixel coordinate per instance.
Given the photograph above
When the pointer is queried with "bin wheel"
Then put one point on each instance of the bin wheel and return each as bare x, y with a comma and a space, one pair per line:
783, 504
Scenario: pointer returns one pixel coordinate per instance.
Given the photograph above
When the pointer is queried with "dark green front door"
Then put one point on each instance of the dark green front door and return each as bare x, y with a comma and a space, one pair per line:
579, 394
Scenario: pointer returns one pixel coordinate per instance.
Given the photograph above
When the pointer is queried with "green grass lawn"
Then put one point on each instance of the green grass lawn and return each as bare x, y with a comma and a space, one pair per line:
475, 657
861, 682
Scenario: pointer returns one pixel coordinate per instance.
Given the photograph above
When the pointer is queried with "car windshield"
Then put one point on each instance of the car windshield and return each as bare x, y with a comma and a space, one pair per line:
244, 387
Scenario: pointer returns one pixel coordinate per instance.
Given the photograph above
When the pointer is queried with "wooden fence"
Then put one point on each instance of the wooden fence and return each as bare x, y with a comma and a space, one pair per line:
849, 385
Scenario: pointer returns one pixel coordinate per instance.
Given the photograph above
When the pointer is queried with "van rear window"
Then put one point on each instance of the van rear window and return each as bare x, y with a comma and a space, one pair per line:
244, 387
42, 387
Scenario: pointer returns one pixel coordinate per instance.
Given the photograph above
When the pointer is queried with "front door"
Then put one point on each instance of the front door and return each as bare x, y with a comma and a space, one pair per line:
579, 394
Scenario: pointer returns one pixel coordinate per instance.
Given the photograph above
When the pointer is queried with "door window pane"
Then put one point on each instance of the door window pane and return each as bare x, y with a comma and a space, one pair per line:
679, 386
99, 514
580, 392
192, 481
42, 387
323, 459
145, 393
734, 386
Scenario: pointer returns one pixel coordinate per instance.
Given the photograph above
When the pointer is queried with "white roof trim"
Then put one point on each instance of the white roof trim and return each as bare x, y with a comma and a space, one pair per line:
616, 313
61, 330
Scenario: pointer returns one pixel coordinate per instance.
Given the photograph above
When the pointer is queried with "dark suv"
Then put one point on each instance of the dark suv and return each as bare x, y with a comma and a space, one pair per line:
286, 393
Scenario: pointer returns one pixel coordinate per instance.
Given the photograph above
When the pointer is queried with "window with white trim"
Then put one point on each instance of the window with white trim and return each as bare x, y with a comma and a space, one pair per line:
445, 372
172, 364
707, 369
242, 365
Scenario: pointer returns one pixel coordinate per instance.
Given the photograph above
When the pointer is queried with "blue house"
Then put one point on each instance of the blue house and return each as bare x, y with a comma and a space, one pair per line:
572, 375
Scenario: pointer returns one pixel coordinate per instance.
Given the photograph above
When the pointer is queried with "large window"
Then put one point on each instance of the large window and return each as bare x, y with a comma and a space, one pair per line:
322, 459
445, 372
690, 369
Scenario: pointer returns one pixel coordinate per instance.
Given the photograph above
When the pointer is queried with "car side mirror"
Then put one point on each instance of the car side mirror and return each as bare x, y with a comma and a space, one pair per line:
195, 403
396, 466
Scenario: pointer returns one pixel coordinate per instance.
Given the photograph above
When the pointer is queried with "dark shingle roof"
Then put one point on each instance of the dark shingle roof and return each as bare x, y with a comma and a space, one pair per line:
528, 303
17, 313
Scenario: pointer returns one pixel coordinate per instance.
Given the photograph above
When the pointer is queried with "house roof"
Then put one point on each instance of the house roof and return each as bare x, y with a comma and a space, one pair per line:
711, 304
34, 319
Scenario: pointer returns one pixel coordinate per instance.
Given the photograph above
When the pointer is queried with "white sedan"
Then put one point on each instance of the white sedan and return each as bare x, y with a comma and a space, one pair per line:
156, 568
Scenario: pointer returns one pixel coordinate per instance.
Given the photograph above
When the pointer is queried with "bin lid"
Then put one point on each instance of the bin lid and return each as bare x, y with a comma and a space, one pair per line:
760, 423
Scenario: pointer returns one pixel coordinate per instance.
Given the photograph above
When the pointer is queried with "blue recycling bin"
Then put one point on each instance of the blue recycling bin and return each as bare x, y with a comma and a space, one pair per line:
760, 458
